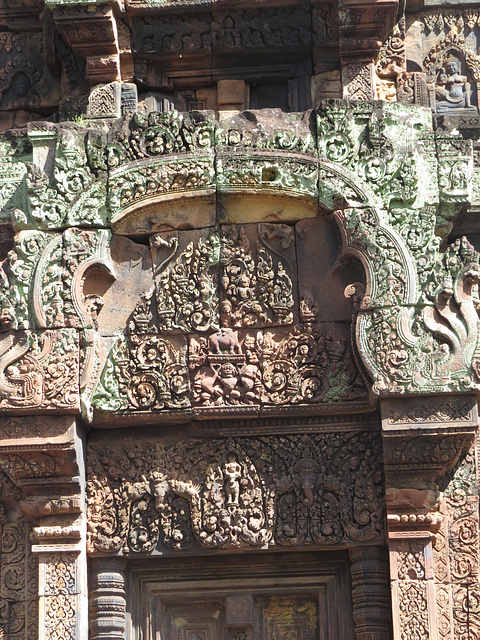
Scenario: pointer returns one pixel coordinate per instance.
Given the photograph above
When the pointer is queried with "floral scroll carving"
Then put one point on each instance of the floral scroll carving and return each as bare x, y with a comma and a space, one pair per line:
256, 292
186, 283
223, 494
18, 568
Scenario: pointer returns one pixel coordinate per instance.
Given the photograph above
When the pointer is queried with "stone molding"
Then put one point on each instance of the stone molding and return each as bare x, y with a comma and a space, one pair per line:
432, 514
43, 456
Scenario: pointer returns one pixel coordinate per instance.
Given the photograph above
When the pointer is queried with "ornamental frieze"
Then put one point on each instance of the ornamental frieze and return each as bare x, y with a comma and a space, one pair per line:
153, 497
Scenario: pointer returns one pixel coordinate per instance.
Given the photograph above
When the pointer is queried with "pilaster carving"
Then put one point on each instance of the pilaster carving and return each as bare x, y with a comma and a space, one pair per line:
62, 588
432, 514
358, 81
412, 586
43, 457
18, 567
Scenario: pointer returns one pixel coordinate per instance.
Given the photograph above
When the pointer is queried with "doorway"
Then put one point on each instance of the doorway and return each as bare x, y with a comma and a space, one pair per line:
274, 596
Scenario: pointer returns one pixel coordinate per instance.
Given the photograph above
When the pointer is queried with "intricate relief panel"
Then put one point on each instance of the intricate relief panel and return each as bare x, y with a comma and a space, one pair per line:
156, 139
39, 370
44, 276
25, 81
258, 265
222, 494
75, 195
144, 373
186, 266
171, 35
447, 44
225, 369
312, 363
18, 569
267, 27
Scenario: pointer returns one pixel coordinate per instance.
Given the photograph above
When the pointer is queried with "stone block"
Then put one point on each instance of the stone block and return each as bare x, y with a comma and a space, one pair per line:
186, 270
258, 278
321, 278
326, 85
105, 101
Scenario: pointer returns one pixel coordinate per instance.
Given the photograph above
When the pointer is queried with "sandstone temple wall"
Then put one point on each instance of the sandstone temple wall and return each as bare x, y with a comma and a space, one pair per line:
239, 320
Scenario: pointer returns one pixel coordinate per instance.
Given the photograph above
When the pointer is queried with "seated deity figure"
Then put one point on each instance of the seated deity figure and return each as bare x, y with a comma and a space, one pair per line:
452, 90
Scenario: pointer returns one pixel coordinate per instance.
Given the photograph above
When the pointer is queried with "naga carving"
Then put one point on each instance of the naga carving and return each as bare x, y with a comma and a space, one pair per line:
395, 187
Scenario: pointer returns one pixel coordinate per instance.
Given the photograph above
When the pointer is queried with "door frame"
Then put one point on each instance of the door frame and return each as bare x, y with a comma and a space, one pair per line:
272, 573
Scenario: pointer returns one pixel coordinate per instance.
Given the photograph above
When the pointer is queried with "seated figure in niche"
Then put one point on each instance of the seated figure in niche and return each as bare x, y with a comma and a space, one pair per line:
452, 90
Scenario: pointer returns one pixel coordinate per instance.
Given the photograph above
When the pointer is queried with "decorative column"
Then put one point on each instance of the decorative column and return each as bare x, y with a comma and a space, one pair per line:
107, 599
427, 443
43, 456
371, 597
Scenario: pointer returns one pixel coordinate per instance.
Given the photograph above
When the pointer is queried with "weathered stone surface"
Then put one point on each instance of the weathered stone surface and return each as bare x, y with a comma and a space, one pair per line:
321, 274
169, 497
265, 155
258, 276
186, 273
144, 373
272, 274
155, 159
40, 371
131, 273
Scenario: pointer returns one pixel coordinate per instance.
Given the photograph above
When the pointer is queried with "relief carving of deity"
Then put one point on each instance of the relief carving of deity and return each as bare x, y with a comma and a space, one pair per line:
452, 89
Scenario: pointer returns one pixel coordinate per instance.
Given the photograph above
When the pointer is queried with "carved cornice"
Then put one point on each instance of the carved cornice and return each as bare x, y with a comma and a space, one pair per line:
42, 457
364, 25
423, 439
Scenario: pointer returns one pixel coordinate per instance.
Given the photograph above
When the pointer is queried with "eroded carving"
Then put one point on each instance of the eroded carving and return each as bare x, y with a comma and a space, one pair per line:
223, 494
